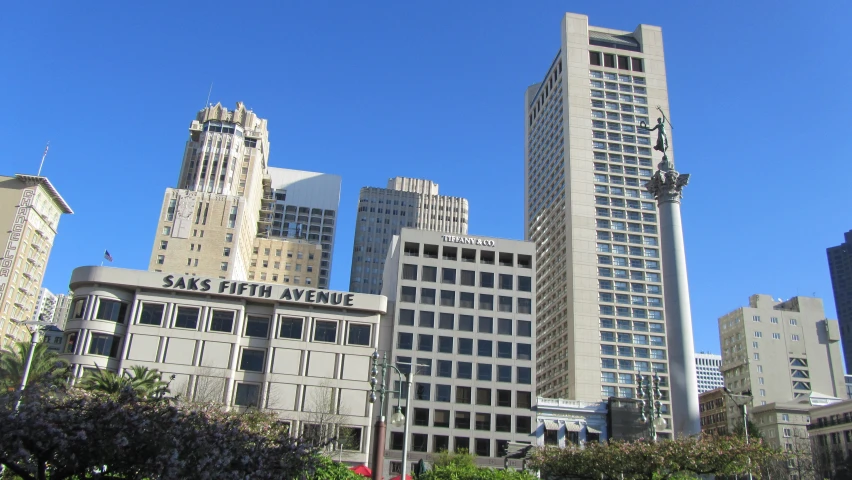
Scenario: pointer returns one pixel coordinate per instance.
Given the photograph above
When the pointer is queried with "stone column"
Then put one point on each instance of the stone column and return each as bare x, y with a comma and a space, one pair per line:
667, 185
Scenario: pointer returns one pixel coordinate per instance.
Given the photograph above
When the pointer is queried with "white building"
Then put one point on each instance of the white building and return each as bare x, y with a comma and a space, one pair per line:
62, 309
562, 422
709, 375
45, 306
293, 350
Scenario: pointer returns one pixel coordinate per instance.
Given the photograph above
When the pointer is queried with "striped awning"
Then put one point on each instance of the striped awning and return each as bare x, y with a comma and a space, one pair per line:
572, 427
551, 425
592, 430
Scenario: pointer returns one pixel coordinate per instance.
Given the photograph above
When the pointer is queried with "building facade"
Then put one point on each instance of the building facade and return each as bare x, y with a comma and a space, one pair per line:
830, 432
383, 212
840, 267
45, 306
781, 350
30, 208
52, 336
62, 309
707, 371
595, 227
464, 320
569, 422
713, 405
227, 201
301, 352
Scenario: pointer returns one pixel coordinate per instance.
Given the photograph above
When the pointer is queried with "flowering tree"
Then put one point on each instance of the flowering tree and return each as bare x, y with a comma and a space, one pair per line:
716, 455
94, 435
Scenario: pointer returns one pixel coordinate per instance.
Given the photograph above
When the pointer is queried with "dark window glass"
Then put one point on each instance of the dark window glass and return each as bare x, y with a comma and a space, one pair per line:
468, 278
359, 334
445, 344
503, 423
523, 400
257, 327
462, 421
463, 395
484, 348
466, 300
486, 279
409, 272
408, 294
111, 310
440, 443
609, 60
406, 317
465, 323
187, 317
483, 371
523, 425
403, 364
504, 326
421, 417
524, 375
79, 308
483, 421
502, 446
524, 305
483, 446
524, 351
405, 341
637, 65
486, 302
448, 275
504, 398
252, 360
396, 440
222, 321
623, 62
504, 373
419, 442
505, 304
524, 283
291, 328
446, 321
430, 274
445, 368
448, 298
106, 345
152, 314
247, 395
486, 325
483, 396
442, 419
427, 296
465, 346
422, 391
424, 343
504, 349
427, 319
325, 332
465, 370
524, 328
424, 367
350, 437
595, 58
462, 444
442, 393
506, 282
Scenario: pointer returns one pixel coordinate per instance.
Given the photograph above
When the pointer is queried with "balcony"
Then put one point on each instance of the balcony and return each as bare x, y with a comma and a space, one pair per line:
265, 219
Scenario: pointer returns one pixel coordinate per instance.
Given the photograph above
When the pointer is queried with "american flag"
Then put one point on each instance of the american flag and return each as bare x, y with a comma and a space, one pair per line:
107, 256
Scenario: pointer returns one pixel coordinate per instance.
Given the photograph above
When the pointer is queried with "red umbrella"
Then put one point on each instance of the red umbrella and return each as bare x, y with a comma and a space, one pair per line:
399, 477
362, 470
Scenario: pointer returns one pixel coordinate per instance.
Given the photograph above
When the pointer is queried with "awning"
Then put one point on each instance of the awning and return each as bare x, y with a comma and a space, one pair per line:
592, 430
551, 425
572, 427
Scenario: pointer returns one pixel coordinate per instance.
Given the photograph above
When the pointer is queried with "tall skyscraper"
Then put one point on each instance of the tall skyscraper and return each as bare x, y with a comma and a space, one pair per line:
596, 228
383, 212
840, 267
225, 217
709, 377
781, 351
30, 208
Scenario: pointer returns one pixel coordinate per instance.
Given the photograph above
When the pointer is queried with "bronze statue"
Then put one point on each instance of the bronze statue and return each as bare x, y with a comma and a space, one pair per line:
662, 140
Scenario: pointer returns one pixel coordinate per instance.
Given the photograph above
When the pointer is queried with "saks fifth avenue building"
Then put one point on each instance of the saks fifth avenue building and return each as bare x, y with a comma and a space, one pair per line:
244, 344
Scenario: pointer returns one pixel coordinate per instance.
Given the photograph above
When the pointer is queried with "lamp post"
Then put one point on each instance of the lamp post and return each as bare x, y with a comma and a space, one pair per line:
744, 407
34, 328
651, 410
379, 390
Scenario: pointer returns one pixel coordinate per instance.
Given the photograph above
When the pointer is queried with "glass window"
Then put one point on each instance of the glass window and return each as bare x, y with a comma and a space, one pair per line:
446, 321
448, 298
483, 372
524, 305
483, 422
468, 278
427, 319
442, 393
79, 308
257, 326
463, 395
465, 346
445, 368
462, 421
359, 334
430, 274
524, 328
442, 419
486, 279
506, 282
409, 272
424, 343
405, 341
151, 314
504, 373
486, 302
187, 317
445, 344
422, 391
504, 398
486, 325
291, 328
325, 331
466, 300
408, 294
506, 304
523, 400
465, 323
247, 395
252, 360
524, 351
484, 348
504, 349
111, 310
102, 344
523, 425
448, 275
406, 317
464, 370
524, 376
504, 326
222, 321
427, 296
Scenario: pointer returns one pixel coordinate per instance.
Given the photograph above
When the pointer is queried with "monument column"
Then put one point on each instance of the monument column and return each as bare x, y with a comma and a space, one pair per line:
667, 185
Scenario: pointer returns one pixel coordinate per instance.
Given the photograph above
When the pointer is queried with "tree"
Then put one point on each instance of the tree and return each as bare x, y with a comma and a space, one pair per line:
331, 470
324, 417
85, 435
462, 466
208, 387
46, 368
142, 380
753, 431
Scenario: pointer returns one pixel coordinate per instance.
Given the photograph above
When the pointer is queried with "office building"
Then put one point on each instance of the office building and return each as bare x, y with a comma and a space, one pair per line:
595, 227
222, 215
383, 212
45, 306
840, 267
60, 312
781, 350
707, 371
713, 406
464, 320
290, 349
52, 336
830, 431
30, 208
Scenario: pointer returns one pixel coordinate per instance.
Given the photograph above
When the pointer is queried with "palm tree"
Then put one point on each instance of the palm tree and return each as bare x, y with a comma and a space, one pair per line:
46, 368
142, 380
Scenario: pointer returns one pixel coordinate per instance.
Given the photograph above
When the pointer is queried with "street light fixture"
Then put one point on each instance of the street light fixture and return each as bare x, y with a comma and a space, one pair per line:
34, 327
378, 391
651, 410
746, 394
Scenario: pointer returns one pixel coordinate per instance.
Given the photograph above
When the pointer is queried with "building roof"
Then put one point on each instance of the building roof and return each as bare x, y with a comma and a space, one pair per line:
44, 182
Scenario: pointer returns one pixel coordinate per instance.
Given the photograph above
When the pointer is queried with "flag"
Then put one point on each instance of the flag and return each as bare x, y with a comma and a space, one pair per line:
107, 256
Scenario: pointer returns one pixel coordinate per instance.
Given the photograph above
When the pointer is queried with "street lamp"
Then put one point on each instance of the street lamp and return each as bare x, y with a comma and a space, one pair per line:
379, 390
651, 410
34, 327
731, 395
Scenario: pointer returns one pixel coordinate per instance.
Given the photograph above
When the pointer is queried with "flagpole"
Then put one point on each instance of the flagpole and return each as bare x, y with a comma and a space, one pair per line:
42, 159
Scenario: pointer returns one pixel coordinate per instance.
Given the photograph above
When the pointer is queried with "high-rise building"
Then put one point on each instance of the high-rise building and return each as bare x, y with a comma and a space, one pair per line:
708, 375
464, 320
221, 217
63, 307
596, 228
383, 212
30, 208
45, 306
781, 350
840, 267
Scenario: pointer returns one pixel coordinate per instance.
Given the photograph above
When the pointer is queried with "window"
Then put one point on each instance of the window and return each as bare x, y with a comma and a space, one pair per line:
483, 372
70, 343
440, 443
794, 322
442, 419
408, 294
161, 259
291, 328
788, 432
524, 284
506, 304
504, 373
524, 376
427, 319
164, 245
325, 331
523, 425
504, 326
464, 370
424, 343
151, 314
462, 421
397, 439
430, 274
359, 334
794, 337
483, 421
463, 395
484, 348
247, 395
422, 391
222, 321
446, 321
257, 327
187, 317
406, 317
465, 346
524, 328
504, 398
445, 344
465, 323
486, 325
486, 280
448, 298
442, 393
252, 360
409, 272
111, 310
468, 278
524, 305
504, 349
106, 345
445, 368
405, 341
506, 282
350, 437
466, 300
427, 296
226, 252
524, 351
448, 275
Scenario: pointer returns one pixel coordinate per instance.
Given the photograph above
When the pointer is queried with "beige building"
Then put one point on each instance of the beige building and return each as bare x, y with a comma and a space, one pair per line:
595, 227
781, 350
30, 208
384, 212
224, 208
294, 350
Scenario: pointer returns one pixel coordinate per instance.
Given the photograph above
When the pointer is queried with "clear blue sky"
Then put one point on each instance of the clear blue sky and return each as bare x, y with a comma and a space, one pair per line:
369, 90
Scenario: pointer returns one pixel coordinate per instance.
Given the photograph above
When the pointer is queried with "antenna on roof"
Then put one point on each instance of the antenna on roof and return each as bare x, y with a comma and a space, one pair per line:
207, 103
42, 159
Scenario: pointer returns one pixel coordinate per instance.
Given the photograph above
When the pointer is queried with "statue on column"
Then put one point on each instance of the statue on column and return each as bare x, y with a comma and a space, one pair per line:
662, 139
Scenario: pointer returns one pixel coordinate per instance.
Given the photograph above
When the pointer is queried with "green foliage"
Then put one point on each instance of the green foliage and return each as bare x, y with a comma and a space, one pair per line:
143, 381
753, 432
46, 368
461, 458
331, 470
462, 466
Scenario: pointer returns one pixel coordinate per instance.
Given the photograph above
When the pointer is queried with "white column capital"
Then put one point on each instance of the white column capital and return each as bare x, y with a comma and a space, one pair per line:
667, 185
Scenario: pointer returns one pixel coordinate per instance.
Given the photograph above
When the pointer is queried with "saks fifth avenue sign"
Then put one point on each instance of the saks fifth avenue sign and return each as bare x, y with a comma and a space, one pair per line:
468, 240
259, 290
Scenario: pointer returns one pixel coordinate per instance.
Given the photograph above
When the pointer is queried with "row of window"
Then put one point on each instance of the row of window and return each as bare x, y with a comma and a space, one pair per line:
487, 257
630, 299
637, 352
485, 396
464, 346
466, 300
467, 278
633, 366
622, 62
636, 325
481, 447
447, 321
632, 338
484, 371
609, 310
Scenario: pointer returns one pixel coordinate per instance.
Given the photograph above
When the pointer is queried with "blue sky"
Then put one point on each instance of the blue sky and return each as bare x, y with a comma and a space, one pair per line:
371, 90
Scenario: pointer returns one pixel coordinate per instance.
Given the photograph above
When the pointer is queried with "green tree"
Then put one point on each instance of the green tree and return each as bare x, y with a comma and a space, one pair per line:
462, 466
331, 470
46, 368
143, 381
753, 432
